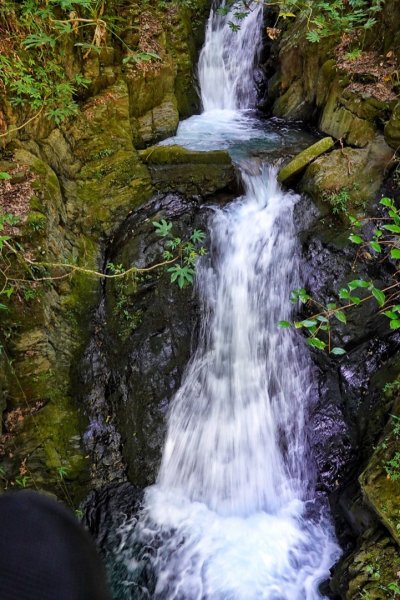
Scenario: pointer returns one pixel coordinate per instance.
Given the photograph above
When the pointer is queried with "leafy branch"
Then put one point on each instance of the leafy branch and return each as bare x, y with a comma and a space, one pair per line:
179, 257
324, 18
385, 240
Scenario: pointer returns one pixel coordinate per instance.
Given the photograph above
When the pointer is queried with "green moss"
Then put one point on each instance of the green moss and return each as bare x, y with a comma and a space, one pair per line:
392, 129
372, 568
358, 171
380, 481
50, 439
36, 222
176, 169
177, 155
304, 158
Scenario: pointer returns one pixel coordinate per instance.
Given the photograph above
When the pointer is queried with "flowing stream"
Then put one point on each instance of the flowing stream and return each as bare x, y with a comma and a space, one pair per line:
234, 514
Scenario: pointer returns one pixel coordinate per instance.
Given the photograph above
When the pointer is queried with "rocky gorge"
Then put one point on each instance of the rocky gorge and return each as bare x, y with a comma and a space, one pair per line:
90, 366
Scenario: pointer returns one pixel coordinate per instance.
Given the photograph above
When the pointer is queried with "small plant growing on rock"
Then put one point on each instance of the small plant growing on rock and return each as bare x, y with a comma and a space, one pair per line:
186, 252
339, 201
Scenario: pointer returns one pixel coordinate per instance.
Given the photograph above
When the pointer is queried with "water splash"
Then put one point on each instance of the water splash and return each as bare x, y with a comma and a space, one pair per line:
227, 59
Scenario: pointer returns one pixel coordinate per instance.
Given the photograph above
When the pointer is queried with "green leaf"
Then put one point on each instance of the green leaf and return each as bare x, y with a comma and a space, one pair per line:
3, 307
392, 228
198, 236
344, 294
182, 275
356, 239
355, 222
386, 202
4, 175
338, 351
313, 36
331, 306
284, 324
394, 324
357, 283
341, 316
309, 323
375, 246
379, 296
316, 343
322, 319
395, 253
390, 314
163, 227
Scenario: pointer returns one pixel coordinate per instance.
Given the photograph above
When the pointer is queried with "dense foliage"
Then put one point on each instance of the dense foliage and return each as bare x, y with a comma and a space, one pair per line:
382, 243
324, 17
35, 37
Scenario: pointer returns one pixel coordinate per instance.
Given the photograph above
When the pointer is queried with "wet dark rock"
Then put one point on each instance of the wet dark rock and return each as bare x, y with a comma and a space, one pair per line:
143, 336
107, 509
135, 366
107, 512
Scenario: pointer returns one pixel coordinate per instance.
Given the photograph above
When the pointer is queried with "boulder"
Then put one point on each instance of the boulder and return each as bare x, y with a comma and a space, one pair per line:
192, 172
357, 171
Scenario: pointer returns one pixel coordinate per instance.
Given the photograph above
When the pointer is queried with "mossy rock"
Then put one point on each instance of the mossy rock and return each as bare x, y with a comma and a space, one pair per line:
392, 129
304, 158
299, 72
367, 573
177, 155
380, 481
176, 169
47, 441
358, 171
340, 119
160, 122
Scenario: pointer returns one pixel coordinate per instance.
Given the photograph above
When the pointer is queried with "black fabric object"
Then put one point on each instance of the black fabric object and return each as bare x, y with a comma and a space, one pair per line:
45, 554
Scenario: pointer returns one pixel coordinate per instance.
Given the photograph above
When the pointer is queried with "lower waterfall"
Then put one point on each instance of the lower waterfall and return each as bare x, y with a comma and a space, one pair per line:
234, 514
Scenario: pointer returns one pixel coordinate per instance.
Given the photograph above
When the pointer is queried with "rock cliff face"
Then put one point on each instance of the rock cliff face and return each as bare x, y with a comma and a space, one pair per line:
88, 192
356, 104
77, 184
354, 100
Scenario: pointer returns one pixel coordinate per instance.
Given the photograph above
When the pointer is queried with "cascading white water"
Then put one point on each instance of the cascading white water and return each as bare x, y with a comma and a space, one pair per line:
233, 515
226, 64
246, 386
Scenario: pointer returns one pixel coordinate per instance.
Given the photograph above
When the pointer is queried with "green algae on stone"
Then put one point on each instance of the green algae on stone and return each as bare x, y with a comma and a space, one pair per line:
360, 171
304, 158
176, 169
339, 118
380, 481
392, 128
179, 155
369, 570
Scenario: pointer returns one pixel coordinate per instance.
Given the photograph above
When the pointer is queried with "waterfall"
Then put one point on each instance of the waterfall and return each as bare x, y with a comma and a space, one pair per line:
226, 64
235, 436
234, 514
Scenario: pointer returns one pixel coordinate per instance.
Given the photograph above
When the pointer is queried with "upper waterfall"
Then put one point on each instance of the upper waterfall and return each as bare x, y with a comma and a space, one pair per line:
226, 64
